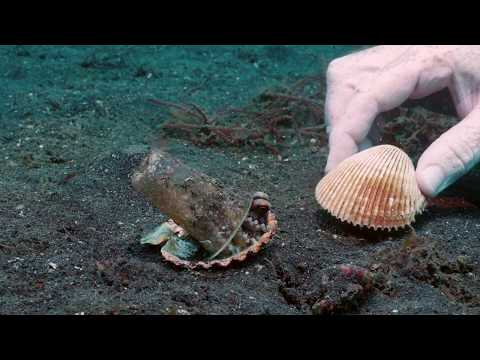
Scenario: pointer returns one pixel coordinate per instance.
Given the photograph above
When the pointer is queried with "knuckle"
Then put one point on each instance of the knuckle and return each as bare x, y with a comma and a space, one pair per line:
334, 69
464, 150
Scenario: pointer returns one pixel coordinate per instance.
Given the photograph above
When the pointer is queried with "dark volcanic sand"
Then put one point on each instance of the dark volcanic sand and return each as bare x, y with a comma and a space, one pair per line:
74, 124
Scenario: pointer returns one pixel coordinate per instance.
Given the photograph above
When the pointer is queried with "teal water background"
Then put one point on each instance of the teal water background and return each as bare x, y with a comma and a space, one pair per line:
33, 75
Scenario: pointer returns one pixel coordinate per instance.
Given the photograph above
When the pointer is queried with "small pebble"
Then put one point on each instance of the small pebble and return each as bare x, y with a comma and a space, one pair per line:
302, 267
182, 312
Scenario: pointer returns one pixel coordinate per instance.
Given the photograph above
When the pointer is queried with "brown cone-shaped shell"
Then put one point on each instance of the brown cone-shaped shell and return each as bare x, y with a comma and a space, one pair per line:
375, 188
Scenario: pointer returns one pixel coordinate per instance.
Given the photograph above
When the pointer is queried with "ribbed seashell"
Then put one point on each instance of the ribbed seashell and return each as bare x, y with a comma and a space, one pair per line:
375, 188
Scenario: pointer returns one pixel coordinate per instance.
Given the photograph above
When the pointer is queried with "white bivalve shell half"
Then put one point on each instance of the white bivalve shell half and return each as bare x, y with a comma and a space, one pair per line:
375, 188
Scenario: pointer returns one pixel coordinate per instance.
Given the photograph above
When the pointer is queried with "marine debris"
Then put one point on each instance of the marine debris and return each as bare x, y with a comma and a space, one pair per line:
210, 225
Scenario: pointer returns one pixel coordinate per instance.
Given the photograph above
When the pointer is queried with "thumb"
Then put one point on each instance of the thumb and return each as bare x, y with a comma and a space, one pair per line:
451, 156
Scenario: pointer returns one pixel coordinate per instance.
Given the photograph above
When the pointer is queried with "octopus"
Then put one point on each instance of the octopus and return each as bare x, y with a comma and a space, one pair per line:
210, 225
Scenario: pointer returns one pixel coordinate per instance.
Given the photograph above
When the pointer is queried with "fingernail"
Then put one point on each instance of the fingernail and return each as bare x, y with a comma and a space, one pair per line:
432, 180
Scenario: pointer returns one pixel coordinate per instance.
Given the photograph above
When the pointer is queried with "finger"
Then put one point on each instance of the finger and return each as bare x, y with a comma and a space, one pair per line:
432, 80
394, 86
349, 131
347, 135
337, 99
451, 156
464, 97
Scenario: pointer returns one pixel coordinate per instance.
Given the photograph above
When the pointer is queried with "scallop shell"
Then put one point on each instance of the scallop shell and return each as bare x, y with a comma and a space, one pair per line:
179, 248
375, 188
264, 239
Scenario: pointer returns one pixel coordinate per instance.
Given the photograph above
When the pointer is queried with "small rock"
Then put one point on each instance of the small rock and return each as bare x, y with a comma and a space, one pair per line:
302, 267
182, 312
464, 264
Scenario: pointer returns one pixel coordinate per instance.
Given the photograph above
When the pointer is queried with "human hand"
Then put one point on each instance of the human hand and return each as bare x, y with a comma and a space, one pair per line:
362, 85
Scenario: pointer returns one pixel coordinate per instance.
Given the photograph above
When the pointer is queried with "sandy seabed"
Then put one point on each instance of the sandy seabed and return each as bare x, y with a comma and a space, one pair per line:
75, 122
